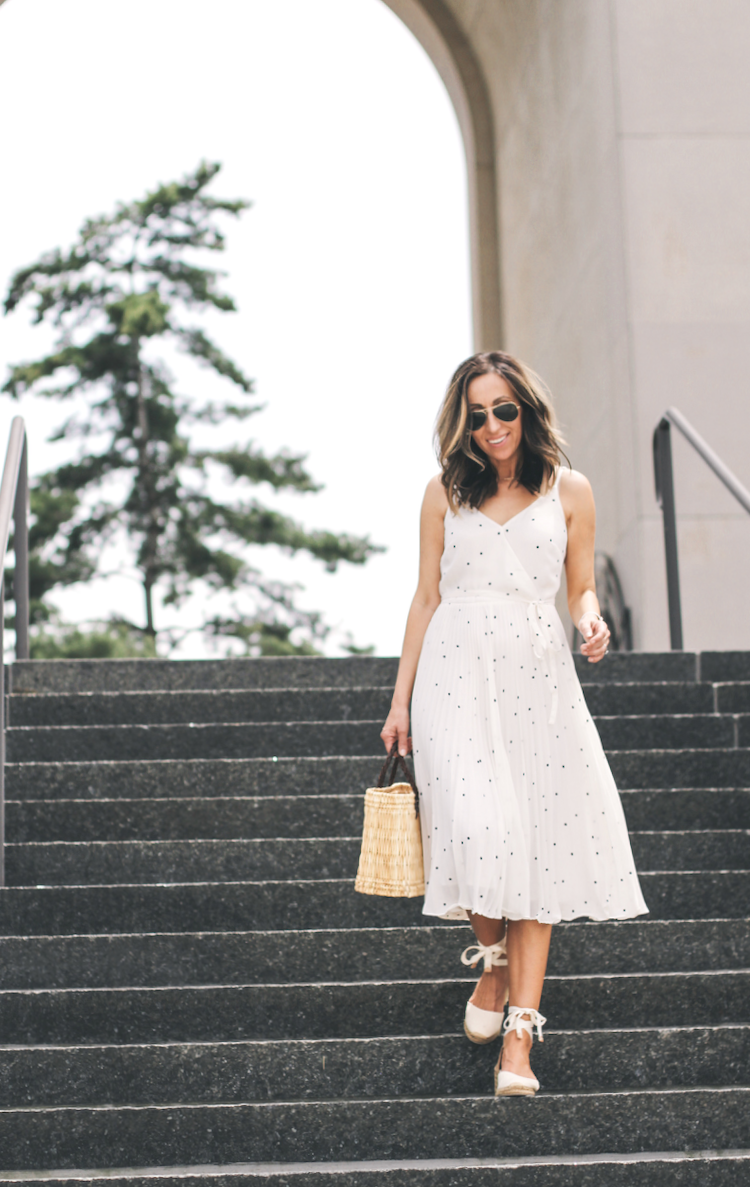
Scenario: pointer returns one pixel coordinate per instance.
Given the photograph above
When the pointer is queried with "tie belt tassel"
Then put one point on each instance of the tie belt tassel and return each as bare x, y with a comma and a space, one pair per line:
545, 642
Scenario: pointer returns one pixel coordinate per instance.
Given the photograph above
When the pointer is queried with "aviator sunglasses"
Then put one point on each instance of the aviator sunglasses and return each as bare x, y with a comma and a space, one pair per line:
506, 411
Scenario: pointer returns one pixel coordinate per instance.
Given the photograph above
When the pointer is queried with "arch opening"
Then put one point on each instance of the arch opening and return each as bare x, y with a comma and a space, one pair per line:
439, 34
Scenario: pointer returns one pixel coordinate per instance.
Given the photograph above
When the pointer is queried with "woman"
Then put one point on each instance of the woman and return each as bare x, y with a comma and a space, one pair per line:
522, 825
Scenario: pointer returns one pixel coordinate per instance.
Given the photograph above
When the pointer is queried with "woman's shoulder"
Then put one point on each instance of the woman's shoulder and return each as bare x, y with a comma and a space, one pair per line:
575, 490
435, 497
573, 481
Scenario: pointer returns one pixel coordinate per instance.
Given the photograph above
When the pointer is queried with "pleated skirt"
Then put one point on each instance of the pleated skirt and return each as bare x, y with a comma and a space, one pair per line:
521, 818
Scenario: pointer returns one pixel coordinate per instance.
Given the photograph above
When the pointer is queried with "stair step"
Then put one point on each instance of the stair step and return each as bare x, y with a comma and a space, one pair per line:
354, 954
63, 863
244, 817
732, 698
76, 676
230, 817
163, 675
319, 738
685, 697
207, 778
670, 732
706, 808
665, 1169
719, 769
78, 863
254, 740
570, 1123
725, 665
680, 768
241, 906
333, 704
351, 1069
287, 704
356, 1009
717, 849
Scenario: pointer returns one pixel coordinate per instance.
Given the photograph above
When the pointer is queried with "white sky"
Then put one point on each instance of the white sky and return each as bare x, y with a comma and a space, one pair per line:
350, 271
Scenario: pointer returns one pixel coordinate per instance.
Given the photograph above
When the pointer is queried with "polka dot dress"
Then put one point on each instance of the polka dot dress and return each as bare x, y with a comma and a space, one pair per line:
520, 814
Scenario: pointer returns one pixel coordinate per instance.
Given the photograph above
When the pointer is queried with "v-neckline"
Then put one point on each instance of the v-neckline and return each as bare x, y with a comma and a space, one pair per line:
523, 510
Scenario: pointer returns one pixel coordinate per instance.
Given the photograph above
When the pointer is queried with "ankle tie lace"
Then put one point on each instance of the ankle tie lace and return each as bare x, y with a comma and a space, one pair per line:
493, 955
516, 1021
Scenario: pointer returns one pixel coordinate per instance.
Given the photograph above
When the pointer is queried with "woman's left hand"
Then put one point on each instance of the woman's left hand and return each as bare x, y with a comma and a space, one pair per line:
596, 636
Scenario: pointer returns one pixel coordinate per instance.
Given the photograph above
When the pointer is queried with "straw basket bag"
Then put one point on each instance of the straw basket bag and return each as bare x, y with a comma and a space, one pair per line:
391, 859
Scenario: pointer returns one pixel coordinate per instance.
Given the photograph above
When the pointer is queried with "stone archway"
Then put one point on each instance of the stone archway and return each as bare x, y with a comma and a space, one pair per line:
439, 34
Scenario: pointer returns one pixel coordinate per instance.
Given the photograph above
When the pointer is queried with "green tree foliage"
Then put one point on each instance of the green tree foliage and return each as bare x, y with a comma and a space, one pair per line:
112, 639
134, 279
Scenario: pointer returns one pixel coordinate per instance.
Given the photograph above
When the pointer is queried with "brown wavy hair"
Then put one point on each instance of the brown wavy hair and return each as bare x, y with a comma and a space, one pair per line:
467, 474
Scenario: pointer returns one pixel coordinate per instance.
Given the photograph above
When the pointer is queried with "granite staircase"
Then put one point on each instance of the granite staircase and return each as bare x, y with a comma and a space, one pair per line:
190, 988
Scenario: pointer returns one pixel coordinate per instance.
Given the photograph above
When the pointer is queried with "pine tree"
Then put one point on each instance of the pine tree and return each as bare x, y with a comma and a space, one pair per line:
132, 280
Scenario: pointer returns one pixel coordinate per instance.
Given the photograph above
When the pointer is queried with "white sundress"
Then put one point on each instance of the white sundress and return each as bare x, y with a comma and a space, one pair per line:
521, 818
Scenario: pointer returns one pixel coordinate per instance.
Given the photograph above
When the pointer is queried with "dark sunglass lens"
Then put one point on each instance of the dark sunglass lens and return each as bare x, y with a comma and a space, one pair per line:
477, 420
506, 412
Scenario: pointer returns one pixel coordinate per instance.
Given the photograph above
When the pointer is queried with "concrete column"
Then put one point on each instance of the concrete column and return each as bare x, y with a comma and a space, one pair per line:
684, 90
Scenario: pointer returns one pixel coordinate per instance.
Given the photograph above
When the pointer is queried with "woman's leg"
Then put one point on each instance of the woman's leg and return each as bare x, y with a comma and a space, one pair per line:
528, 947
490, 989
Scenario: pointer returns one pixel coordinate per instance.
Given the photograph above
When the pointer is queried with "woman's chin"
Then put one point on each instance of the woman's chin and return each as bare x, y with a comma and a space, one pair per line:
501, 453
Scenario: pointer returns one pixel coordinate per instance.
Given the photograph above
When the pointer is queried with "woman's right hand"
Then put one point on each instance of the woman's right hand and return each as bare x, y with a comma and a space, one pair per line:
396, 729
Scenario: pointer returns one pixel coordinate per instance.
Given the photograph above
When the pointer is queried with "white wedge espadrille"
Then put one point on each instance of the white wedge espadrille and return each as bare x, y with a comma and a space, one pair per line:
508, 1083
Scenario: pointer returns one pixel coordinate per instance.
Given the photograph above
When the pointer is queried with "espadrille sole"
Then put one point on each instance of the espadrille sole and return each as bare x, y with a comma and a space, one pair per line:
519, 1086
480, 1039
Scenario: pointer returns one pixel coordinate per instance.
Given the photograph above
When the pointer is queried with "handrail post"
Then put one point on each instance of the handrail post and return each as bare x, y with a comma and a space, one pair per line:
2, 731
21, 549
665, 498
14, 496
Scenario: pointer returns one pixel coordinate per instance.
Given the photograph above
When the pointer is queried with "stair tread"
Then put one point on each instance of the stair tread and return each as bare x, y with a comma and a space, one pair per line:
569, 1123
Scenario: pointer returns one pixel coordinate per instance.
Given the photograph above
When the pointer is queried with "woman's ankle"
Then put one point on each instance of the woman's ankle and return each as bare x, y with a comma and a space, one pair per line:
515, 1054
490, 991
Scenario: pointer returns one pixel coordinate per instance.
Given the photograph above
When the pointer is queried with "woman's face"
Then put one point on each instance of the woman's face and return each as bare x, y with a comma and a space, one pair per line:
499, 439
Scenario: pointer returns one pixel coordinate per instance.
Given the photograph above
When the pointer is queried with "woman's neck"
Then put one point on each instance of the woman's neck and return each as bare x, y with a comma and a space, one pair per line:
507, 471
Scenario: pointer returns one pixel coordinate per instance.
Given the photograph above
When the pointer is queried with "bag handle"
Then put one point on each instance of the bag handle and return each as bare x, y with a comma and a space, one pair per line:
386, 776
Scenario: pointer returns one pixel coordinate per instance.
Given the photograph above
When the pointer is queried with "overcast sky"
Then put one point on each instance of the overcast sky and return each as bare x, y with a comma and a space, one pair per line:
350, 270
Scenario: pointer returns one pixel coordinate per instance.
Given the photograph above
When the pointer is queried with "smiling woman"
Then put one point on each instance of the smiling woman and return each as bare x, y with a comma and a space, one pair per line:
332, 120
522, 825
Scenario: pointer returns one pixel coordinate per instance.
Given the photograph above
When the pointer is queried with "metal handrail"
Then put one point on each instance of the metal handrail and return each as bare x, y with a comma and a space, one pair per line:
663, 478
14, 503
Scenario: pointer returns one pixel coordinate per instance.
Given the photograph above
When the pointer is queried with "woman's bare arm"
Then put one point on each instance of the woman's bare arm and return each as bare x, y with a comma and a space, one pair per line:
577, 500
424, 604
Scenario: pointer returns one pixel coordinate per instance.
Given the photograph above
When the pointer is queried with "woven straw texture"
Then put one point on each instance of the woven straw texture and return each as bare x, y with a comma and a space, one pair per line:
390, 863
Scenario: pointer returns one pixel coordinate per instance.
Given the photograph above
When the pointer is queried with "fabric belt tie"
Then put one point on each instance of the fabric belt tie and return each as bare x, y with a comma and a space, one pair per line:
545, 638
545, 642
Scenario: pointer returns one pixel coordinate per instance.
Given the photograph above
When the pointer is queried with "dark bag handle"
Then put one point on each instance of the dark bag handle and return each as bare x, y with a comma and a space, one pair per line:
386, 776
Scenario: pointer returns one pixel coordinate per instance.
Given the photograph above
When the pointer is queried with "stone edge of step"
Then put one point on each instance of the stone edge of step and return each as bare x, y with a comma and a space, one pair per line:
323, 1173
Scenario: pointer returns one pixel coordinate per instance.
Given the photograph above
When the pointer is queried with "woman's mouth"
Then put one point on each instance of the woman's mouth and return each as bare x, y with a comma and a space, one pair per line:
498, 440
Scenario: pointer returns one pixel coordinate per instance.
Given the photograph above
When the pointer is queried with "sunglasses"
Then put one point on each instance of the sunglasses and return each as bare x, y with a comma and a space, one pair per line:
506, 411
